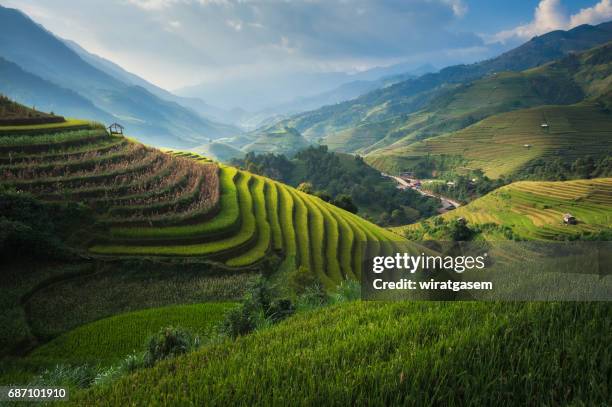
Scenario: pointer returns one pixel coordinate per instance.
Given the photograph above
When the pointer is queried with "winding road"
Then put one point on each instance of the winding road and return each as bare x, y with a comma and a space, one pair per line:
403, 184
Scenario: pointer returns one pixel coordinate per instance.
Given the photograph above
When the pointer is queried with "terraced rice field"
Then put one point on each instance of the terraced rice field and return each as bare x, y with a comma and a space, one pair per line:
535, 210
502, 144
109, 339
155, 203
44, 128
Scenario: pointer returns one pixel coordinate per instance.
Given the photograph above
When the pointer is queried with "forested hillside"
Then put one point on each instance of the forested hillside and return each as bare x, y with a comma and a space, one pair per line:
346, 181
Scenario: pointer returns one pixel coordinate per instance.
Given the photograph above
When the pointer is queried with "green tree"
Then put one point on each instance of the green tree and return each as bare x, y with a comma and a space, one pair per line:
305, 187
345, 202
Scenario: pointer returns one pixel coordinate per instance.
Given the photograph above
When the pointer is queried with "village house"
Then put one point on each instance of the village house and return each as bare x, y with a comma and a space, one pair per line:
569, 219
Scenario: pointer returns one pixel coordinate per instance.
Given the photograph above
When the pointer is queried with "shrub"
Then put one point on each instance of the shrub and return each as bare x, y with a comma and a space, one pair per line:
259, 309
347, 291
169, 342
238, 322
66, 376
280, 309
314, 296
107, 376
323, 195
129, 364
459, 231
301, 279
132, 362
305, 187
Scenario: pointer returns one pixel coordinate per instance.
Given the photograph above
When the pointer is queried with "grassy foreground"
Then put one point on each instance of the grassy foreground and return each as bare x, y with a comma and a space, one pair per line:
110, 339
401, 353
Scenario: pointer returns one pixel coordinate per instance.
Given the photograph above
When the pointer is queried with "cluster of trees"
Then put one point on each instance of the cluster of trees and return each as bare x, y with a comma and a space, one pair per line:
434, 165
465, 188
560, 169
457, 230
342, 200
346, 181
275, 166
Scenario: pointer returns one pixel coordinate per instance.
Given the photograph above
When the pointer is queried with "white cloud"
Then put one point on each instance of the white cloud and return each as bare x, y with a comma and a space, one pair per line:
161, 4
235, 24
152, 4
599, 13
459, 8
175, 43
550, 15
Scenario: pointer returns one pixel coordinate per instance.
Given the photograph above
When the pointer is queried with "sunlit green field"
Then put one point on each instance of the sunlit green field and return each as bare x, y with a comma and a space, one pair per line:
388, 354
535, 209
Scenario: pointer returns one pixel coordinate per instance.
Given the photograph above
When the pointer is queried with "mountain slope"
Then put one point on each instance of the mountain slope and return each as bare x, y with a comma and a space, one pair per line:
121, 74
535, 209
36, 50
505, 143
387, 109
286, 141
587, 75
31, 90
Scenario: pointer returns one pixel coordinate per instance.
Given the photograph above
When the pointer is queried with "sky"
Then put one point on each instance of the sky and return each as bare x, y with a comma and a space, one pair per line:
179, 43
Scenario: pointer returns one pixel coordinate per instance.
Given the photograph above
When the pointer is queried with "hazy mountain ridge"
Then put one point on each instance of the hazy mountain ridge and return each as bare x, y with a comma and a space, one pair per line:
32, 90
39, 52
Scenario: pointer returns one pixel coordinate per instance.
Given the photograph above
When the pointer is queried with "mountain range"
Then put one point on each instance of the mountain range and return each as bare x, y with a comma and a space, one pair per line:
41, 69
417, 108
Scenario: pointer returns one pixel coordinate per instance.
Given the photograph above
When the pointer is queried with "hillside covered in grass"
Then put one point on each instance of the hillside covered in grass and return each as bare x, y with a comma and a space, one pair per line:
393, 354
506, 143
532, 210
108, 340
284, 140
570, 80
96, 226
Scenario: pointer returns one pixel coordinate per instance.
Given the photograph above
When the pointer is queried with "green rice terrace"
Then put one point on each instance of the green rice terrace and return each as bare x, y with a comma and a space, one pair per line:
177, 240
535, 210
154, 203
503, 144
133, 275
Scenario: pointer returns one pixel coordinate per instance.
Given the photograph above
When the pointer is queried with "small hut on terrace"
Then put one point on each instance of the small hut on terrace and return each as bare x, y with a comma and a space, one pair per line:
115, 128
569, 219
